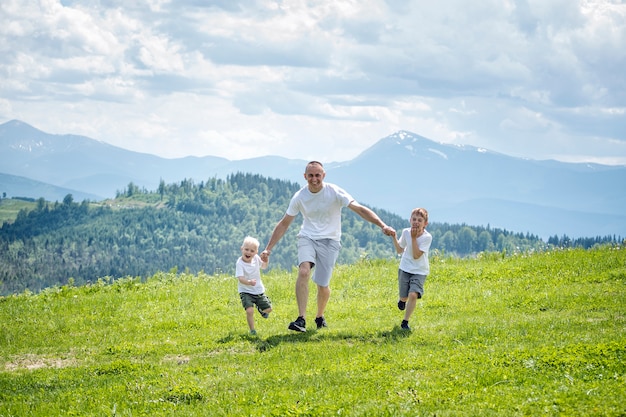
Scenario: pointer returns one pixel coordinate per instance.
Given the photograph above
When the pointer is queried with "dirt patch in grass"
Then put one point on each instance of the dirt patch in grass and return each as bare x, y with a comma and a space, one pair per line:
32, 361
179, 359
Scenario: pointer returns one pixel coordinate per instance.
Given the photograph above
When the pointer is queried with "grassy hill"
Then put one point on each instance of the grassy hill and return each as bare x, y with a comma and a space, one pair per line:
540, 334
9, 207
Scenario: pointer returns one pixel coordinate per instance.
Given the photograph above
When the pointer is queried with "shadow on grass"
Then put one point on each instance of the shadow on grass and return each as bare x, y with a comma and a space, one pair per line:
316, 336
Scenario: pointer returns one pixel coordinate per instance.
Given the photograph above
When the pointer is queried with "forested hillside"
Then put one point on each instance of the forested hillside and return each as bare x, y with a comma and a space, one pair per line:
192, 227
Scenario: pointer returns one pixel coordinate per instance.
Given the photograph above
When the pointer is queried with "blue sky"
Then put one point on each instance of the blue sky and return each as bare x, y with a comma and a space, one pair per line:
324, 79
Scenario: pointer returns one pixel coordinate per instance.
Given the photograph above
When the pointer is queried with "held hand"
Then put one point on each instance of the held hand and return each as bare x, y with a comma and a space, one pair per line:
389, 231
265, 255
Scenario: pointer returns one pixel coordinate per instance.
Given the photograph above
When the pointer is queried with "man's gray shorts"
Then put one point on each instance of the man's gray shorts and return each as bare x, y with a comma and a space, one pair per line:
322, 254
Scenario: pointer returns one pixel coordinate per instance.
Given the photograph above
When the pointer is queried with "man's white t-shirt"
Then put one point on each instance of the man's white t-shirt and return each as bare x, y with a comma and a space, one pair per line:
321, 211
407, 263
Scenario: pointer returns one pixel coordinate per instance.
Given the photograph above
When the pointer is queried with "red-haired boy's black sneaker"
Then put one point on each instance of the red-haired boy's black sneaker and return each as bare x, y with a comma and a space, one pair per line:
321, 322
401, 304
405, 325
299, 325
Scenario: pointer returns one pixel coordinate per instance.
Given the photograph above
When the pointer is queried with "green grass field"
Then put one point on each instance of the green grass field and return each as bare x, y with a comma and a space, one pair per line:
525, 335
10, 207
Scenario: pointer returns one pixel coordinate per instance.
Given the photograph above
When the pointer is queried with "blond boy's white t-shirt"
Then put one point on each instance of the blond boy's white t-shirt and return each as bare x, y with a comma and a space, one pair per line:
250, 271
321, 211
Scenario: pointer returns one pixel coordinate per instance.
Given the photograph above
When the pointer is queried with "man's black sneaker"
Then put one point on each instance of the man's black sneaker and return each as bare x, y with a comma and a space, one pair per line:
264, 315
299, 325
405, 325
321, 322
401, 304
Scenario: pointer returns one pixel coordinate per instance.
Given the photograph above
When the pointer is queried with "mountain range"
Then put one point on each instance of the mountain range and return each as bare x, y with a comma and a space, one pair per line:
457, 184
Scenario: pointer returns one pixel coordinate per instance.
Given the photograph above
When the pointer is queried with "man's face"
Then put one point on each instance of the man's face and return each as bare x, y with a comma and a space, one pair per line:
314, 176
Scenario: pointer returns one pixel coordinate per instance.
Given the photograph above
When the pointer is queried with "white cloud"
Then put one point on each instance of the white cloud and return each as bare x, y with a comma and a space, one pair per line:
320, 80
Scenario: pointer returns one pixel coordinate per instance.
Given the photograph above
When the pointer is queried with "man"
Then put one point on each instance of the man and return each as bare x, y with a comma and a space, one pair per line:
319, 238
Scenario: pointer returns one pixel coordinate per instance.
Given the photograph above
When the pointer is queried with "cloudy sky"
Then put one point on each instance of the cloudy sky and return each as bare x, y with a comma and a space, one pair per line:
320, 79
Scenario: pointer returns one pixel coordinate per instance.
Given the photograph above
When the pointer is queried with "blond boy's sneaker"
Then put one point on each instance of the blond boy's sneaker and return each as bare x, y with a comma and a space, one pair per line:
264, 315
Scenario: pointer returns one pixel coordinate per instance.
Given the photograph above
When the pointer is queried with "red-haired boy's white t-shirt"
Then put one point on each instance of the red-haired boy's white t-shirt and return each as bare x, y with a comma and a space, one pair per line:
407, 263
